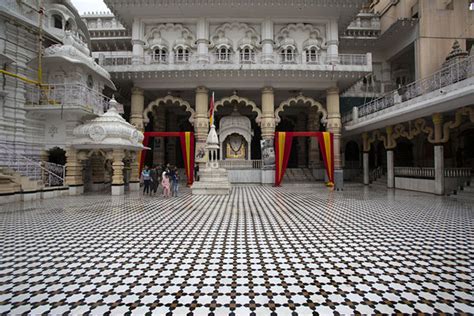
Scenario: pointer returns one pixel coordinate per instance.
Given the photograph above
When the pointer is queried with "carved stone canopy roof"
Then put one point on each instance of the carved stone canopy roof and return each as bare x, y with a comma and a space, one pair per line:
108, 131
73, 52
235, 124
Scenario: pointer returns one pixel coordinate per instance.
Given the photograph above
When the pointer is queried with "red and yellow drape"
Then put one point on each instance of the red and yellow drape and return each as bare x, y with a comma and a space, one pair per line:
187, 148
283, 141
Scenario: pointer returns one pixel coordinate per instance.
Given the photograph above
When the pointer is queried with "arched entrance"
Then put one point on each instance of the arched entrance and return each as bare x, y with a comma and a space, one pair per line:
167, 114
231, 106
306, 114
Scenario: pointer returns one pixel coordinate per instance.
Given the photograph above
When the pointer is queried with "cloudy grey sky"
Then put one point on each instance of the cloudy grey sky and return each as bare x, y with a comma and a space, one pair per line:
89, 5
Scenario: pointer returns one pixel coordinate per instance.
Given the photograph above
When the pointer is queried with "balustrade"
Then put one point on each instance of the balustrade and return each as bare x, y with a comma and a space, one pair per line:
66, 96
422, 172
444, 77
240, 58
240, 164
49, 173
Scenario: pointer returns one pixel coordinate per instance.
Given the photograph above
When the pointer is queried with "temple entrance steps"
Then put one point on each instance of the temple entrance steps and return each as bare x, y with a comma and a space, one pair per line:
296, 175
466, 193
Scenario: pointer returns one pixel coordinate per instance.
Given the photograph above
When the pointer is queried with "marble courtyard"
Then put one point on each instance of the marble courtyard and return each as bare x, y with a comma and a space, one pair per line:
295, 250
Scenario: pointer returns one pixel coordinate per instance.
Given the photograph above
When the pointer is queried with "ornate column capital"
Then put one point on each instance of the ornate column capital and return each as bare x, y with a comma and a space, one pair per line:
137, 91
202, 89
333, 90
266, 90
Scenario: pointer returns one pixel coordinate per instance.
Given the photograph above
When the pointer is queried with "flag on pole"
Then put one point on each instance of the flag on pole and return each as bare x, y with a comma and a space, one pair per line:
211, 111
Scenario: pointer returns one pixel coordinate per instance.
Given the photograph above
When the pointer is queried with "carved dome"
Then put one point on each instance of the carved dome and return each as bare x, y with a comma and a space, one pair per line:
235, 120
109, 130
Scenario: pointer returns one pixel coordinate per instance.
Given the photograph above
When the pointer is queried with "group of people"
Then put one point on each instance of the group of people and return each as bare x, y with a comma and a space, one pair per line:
166, 175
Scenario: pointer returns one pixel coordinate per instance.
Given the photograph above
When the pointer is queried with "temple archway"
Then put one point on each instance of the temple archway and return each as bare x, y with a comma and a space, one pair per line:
239, 101
300, 99
169, 99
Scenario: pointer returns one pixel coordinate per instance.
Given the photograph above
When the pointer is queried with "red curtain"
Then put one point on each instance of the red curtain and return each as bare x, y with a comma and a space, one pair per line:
187, 149
283, 141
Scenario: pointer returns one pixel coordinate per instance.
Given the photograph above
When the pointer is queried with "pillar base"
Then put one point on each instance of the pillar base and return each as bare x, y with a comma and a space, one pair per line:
339, 180
134, 186
76, 189
118, 189
98, 186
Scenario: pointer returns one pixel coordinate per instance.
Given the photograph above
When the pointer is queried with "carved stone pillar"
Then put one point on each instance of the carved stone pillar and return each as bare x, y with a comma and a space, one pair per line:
136, 114
334, 126
267, 42
438, 153
137, 42
202, 40
98, 172
134, 184
159, 125
268, 113
390, 169
201, 124
74, 172
313, 126
365, 157
117, 178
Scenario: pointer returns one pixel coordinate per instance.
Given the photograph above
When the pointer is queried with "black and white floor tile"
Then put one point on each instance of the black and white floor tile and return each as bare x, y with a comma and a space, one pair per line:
294, 250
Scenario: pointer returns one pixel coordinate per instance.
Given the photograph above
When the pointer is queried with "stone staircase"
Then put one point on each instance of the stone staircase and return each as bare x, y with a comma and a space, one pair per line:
298, 175
466, 192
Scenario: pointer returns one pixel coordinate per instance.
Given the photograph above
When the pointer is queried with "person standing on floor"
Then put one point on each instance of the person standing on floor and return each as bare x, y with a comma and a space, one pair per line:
155, 177
165, 182
175, 181
146, 180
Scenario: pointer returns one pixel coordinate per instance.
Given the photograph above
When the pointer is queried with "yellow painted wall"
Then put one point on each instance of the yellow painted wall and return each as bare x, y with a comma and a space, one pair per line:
438, 29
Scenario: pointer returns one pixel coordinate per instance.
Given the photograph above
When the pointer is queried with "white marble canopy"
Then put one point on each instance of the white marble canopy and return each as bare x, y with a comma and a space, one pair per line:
235, 124
108, 131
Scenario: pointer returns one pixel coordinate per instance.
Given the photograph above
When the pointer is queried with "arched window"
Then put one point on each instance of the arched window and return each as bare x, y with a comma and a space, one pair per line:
181, 55
160, 55
247, 55
57, 21
312, 55
223, 55
287, 55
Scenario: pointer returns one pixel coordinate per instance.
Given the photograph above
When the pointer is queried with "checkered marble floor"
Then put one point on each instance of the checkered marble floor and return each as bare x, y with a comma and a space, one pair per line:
294, 250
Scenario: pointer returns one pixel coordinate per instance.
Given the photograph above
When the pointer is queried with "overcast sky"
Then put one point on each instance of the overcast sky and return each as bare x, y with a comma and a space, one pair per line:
89, 5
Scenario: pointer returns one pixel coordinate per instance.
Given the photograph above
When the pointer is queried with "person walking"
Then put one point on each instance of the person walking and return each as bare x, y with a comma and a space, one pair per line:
175, 181
165, 183
155, 177
146, 180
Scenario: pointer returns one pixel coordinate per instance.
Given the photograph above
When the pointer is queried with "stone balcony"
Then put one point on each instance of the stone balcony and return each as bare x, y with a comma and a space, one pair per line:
210, 61
448, 89
74, 98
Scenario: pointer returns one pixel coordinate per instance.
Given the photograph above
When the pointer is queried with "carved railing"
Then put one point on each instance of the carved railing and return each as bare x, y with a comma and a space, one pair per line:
238, 58
50, 174
240, 164
375, 174
446, 76
429, 173
65, 96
